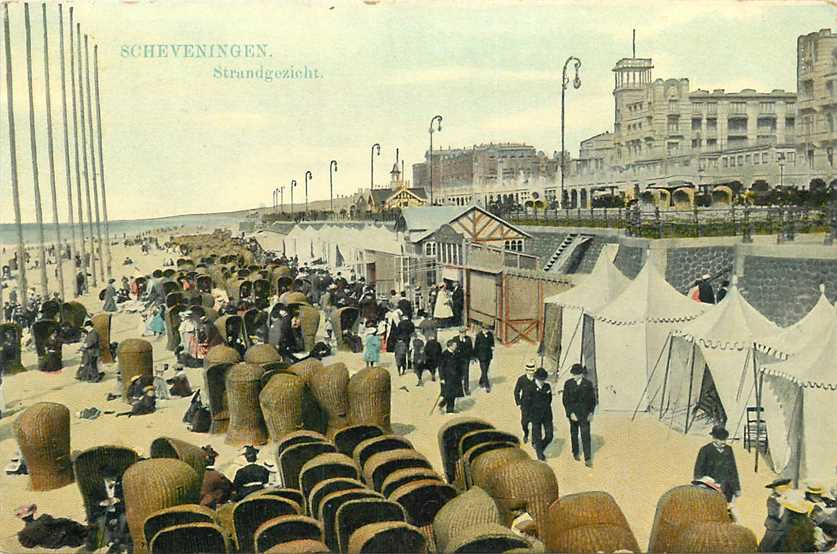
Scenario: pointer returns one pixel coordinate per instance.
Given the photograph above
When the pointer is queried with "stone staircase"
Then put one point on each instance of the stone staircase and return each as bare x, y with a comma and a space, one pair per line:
557, 263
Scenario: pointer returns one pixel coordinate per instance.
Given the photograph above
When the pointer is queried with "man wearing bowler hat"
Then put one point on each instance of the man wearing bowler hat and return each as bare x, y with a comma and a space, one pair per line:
772, 531
717, 460
579, 404
541, 413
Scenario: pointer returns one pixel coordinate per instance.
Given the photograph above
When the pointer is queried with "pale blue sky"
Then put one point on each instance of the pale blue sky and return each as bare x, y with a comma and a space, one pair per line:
179, 141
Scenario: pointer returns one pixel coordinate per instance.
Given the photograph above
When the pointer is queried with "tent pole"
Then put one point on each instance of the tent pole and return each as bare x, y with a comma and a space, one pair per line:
572, 338
691, 380
665, 380
758, 383
648, 382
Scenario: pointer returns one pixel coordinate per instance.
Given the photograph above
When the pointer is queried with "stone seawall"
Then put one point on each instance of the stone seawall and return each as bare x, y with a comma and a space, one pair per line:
630, 259
685, 265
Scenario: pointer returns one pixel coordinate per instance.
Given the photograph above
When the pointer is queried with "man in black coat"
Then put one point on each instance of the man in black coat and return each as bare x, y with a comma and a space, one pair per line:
705, 291
432, 356
449, 377
457, 300
464, 354
405, 306
522, 396
484, 352
579, 404
251, 477
540, 413
717, 460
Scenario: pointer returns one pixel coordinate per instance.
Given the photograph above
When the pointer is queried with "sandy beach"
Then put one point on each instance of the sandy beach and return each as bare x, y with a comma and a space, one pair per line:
635, 461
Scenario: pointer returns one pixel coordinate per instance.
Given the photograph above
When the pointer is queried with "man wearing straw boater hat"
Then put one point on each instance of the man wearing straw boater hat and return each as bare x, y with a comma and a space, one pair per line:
522, 396
717, 460
579, 403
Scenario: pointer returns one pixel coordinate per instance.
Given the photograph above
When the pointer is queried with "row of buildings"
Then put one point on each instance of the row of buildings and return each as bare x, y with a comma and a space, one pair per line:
668, 143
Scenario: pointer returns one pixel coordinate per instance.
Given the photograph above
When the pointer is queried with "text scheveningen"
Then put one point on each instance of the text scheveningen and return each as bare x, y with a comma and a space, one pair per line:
267, 74
195, 50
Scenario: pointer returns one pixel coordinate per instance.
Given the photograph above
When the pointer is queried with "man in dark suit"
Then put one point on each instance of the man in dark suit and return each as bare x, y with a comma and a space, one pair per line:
449, 378
405, 306
457, 299
522, 396
579, 404
540, 413
464, 353
484, 352
717, 460
252, 477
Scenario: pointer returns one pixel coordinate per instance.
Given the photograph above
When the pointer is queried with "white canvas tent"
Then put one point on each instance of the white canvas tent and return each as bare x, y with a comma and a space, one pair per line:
716, 348
799, 397
810, 330
564, 311
624, 339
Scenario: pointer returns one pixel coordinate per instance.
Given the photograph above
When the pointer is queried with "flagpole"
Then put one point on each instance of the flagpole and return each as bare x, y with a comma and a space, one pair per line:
93, 157
79, 196
84, 159
67, 167
109, 258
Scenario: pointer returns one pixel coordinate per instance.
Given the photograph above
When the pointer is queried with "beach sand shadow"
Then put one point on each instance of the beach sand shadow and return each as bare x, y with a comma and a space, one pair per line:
402, 429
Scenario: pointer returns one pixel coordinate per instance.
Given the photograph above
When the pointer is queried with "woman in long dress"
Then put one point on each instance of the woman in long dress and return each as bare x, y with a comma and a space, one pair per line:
372, 352
443, 310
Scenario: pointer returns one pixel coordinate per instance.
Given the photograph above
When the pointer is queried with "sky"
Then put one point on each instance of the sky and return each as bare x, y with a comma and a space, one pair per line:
178, 139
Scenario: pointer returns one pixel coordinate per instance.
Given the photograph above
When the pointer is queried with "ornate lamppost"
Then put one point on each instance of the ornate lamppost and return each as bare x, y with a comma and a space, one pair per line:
307, 176
293, 184
565, 81
331, 166
438, 120
372, 165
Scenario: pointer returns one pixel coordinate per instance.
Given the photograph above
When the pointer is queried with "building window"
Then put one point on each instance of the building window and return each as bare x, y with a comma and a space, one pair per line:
724, 162
791, 157
672, 105
790, 123
430, 248
756, 158
673, 124
711, 124
696, 123
747, 159
712, 142
764, 158
740, 160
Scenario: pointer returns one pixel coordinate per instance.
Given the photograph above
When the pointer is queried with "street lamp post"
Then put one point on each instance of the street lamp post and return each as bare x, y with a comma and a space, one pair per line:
372, 165
438, 120
307, 176
293, 184
564, 84
332, 165
282, 198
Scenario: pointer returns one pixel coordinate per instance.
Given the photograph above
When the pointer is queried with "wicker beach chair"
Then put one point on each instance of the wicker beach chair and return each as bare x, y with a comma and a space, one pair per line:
190, 538
681, 506
472, 455
380, 465
302, 436
10, 336
527, 485
102, 324
221, 354
224, 518
448, 437
600, 537
173, 320
327, 487
326, 466
471, 508
347, 438
303, 546
260, 354
292, 460
92, 466
251, 512
386, 537
422, 501
715, 537
580, 510
472, 439
487, 464
152, 485
295, 297
285, 529
331, 504
281, 404
369, 395
486, 537
216, 389
309, 320
166, 447
45, 333
329, 386
247, 424
344, 319
176, 515
407, 475
382, 443
136, 357
305, 368
354, 514
294, 495
42, 432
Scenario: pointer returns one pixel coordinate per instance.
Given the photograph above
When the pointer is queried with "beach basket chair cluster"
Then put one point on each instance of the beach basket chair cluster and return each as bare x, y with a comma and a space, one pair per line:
588, 522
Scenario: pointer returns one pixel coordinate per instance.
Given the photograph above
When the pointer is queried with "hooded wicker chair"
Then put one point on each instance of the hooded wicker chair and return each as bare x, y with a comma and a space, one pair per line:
329, 386
92, 466
247, 424
10, 335
449, 435
43, 436
347, 438
378, 467
216, 388
302, 436
304, 546
173, 320
422, 501
407, 475
487, 537
580, 510
224, 518
527, 485
385, 537
326, 466
384, 443
294, 297
255, 325
281, 404
601, 537
681, 506
344, 319
73, 314
150, 486
293, 495
251, 512
331, 504
309, 320
715, 537
471, 508
305, 368
355, 514
470, 440
191, 538
221, 354
48, 349
472, 455
101, 322
369, 394
230, 327
176, 515
136, 357
327, 487
165, 447
488, 463
292, 459
285, 529
260, 354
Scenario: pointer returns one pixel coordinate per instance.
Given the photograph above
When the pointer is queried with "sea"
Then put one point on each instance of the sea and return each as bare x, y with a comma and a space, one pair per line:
119, 228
